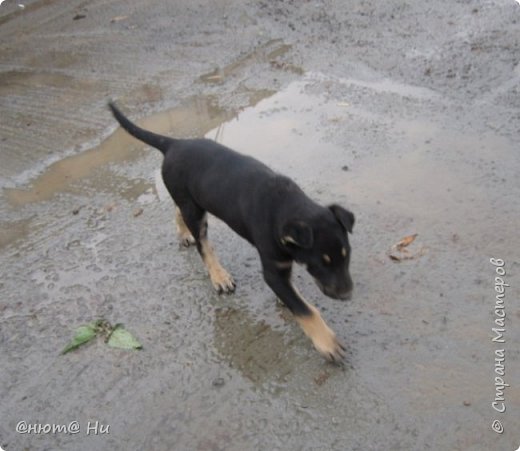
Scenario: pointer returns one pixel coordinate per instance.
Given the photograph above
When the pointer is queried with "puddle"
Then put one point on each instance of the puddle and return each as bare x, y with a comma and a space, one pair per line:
284, 132
194, 118
293, 131
262, 356
289, 131
284, 123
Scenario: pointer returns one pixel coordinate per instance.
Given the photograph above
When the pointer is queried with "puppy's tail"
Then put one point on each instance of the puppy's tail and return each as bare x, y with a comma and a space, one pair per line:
163, 143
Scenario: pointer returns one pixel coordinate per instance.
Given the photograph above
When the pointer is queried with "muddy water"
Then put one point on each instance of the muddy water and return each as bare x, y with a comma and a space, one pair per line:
235, 372
194, 118
63, 176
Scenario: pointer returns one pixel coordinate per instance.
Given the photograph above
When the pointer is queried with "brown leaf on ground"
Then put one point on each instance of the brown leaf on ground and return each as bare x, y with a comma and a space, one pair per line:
118, 19
399, 252
406, 241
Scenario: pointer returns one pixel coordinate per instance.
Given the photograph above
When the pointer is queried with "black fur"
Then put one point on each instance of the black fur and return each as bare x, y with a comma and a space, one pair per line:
267, 209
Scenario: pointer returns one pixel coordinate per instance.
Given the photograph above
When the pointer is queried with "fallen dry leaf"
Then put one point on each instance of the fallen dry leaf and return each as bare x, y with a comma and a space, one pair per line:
214, 77
408, 256
406, 241
118, 18
399, 252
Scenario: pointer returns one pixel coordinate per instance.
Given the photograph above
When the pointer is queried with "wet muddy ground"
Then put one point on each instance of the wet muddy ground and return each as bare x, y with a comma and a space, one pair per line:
406, 112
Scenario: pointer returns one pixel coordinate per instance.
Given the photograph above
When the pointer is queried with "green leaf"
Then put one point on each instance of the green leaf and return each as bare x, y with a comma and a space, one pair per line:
121, 338
83, 335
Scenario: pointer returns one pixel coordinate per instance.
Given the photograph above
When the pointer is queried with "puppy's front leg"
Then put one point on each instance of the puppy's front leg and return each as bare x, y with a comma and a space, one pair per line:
308, 317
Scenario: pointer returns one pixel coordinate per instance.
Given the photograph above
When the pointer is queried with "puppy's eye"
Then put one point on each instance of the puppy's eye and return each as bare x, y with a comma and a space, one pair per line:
326, 259
343, 252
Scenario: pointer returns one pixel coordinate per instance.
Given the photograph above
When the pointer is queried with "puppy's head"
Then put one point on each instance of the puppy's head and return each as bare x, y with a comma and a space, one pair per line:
321, 244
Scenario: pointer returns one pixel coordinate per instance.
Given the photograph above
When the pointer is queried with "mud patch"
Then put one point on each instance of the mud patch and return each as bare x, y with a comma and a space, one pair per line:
13, 231
253, 347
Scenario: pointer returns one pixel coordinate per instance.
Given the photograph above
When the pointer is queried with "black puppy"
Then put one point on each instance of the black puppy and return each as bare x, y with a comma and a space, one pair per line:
268, 210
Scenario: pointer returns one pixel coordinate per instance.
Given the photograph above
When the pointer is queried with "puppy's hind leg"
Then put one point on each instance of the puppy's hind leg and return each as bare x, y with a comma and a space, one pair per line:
184, 234
196, 221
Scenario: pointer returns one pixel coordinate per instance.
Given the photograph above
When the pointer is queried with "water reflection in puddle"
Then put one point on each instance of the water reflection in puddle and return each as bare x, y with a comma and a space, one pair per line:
195, 117
299, 132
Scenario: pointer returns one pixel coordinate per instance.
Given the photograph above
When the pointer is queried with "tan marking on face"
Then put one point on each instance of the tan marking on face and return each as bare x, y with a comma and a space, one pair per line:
326, 258
343, 252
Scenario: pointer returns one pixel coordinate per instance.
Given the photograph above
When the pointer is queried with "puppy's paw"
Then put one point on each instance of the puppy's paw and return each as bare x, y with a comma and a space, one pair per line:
222, 281
330, 347
322, 336
186, 239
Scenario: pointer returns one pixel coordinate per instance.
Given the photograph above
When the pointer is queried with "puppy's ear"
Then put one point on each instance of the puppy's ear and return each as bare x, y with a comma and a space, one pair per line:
297, 233
344, 217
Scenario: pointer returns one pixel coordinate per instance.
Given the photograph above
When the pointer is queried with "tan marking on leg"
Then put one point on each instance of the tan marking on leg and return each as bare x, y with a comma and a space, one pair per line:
220, 278
322, 336
185, 236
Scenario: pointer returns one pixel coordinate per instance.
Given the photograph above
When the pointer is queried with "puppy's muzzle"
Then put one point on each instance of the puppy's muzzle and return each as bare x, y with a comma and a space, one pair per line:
341, 291
344, 295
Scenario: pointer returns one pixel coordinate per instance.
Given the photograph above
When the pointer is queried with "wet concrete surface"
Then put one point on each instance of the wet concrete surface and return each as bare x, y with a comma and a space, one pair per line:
407, 113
